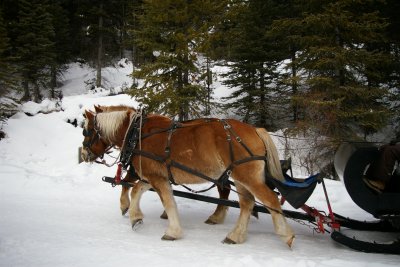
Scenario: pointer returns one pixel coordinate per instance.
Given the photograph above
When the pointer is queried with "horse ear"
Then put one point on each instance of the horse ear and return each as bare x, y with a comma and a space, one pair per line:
89, 115
130, 111
98, 109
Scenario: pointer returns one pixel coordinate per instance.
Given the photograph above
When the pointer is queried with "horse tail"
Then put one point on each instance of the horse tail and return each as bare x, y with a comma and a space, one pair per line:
273, 163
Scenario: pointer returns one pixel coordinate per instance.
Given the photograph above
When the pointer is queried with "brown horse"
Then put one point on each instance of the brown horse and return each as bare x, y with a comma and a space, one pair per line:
196, 151
139, 188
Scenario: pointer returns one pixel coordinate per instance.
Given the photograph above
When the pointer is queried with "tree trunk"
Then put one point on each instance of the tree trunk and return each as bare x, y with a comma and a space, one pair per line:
37, 96
294, 84
183, 81
339, 70
25, 86
209, 82
263, 105
53, 82
100, 48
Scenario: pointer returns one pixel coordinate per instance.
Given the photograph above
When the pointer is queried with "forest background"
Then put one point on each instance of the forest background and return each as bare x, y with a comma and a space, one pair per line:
328, 70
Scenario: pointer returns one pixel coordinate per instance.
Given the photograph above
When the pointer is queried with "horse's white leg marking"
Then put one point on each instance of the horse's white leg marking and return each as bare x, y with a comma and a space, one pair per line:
164, 190
134, 209
246, 201
218, 216
124, 200
220, 212
282, 228
270, 200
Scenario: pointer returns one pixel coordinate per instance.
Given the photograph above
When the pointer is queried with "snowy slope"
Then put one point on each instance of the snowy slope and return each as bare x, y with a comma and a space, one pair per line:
56, 212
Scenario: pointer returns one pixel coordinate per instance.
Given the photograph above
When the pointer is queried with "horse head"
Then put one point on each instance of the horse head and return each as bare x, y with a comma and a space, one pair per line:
104, 129
94, 146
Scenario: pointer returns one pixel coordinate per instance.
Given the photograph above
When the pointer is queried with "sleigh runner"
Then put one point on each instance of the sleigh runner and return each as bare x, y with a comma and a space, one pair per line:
238, 155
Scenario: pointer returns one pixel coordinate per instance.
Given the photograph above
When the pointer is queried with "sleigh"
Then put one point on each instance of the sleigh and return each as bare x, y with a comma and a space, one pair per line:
297, 191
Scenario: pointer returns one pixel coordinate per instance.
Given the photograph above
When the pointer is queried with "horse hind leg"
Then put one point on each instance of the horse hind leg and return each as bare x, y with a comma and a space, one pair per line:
270, 200
219, 214
246, 202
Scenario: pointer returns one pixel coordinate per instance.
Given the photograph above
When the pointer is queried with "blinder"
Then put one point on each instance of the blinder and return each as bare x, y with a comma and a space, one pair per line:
92, 134
87, 133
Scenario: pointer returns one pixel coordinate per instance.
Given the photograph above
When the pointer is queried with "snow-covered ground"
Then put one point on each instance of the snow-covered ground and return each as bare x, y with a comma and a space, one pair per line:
56, 212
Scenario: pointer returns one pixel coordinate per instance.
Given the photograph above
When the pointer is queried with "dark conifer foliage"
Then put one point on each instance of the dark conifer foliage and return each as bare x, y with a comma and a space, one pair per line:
254, 59
6, 69
330, 66
34, 46
338, 66
172, 33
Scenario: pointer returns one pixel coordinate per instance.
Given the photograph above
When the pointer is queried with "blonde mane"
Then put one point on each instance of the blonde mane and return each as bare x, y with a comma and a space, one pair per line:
109, 123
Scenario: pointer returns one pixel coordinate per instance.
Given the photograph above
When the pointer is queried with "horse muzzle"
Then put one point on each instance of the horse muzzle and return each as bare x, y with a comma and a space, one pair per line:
87, 155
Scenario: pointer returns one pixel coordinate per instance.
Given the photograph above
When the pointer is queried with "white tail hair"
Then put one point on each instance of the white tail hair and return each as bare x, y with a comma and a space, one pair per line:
273, 163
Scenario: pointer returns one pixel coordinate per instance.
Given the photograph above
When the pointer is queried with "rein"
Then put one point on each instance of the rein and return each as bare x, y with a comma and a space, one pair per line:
103, 162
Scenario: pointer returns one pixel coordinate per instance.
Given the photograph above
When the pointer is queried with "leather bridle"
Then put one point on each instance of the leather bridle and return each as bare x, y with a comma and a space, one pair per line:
94, 136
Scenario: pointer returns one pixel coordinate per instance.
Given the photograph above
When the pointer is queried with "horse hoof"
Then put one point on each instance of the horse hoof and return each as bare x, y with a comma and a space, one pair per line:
210, 222
136, 224
164, 216
290, 241
124, 211
168, 238
228, 241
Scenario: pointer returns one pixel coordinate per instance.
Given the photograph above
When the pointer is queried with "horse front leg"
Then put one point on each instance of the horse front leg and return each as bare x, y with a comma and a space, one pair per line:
246, 202
135, 213
164, 190
220, 212
124, 198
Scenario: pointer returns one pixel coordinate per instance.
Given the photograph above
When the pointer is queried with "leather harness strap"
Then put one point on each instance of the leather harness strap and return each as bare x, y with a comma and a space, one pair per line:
170, 163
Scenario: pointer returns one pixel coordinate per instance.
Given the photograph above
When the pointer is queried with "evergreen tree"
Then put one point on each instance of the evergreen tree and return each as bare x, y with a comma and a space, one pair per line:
62, 44
173, 32
7, 74
139, 55
253, 73
6, 69
335, 65
34, 47
284, 32
392, 46
102, 25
